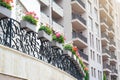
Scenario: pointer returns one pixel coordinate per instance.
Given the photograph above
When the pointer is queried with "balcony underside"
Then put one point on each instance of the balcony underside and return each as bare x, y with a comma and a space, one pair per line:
77, 7
105, 56
78, 25
79, 43
106, 70
104, 27
112, 47
104, 41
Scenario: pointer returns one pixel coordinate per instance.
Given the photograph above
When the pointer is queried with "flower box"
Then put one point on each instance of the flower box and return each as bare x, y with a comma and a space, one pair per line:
28, 26
5, 12
44, 36
68, 53
56, 45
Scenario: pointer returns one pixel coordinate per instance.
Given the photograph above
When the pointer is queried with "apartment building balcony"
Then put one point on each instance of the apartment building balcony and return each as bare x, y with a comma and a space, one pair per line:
106, 67
105, 53
57, 27
44, 18
30, 54
105, 15
114, 72
111, 32
45, 2
78, 6
112, 45
104, 39
83, 56
113, 58
57, 11
79, 40
78, 23
104, 25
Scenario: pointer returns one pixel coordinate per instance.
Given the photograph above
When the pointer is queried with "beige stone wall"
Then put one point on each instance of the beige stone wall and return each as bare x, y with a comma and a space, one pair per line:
20, 65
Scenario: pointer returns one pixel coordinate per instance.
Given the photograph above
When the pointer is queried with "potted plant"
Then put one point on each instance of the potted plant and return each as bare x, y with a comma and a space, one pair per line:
45, 32
68, 49
6, 7
71, 50
58, 40
29, 21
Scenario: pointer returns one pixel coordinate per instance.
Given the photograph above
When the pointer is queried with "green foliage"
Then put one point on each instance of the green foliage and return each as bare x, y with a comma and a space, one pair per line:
30, 19
68, 47
104, 77
6, 5
60, 39
46, 29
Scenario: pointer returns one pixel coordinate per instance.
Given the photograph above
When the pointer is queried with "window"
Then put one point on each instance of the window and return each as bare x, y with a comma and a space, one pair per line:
90, 23
89, 8
96, 29
95, 1
92, 71
95, 14
93, 55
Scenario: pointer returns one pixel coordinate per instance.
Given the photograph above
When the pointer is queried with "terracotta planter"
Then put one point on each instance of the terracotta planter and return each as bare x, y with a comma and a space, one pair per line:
28, 26
5, 12
57, 45
44, 36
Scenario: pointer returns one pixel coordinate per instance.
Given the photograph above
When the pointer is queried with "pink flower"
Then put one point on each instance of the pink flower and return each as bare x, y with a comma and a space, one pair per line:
77, 53
58, 35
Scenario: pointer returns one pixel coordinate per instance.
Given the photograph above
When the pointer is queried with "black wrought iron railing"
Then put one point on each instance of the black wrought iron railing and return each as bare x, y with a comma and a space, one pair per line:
81, 2
76, 16
79, 35
11, 35
85, 56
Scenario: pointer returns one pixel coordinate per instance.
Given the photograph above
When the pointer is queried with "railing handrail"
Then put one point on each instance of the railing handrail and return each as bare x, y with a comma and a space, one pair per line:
104, 50
85, 56
76, 16
74, 34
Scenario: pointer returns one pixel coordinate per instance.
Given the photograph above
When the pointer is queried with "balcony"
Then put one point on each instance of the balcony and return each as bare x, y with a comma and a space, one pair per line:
111, 32
113, 58
105, 53
106, 67
104, 25
78, 6
78, 23
112, 45
44, 18
114, 72
57, 10
57, 27
26, 44
105, 15
84, 56
104, 39
79, 40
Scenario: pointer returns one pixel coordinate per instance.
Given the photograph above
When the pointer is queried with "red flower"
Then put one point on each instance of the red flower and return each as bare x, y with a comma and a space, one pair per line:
75, 48
8, 1
86, 69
